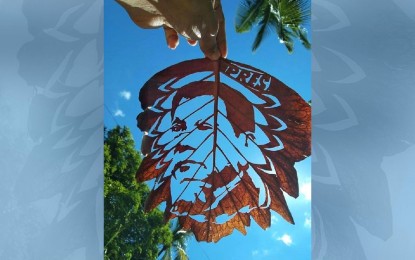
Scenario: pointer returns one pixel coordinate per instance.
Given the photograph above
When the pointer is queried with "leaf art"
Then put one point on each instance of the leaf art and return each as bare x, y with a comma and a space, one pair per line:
221, 139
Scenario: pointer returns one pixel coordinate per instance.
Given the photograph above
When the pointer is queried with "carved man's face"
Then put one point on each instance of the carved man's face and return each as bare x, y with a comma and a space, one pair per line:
221, 148
189, 137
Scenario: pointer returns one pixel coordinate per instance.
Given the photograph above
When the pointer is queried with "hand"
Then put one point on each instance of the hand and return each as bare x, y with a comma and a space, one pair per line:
197, 20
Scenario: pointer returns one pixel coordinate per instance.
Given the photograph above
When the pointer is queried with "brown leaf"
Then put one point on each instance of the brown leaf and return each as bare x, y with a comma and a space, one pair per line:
149, 168
204, 140
158, 195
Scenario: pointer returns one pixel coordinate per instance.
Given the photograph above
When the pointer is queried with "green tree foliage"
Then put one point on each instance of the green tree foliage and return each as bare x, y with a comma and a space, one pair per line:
285, 17
178, 246
130, 233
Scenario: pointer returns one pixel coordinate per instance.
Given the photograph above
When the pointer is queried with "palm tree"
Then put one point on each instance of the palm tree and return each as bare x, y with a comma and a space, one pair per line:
286, 17
178, 245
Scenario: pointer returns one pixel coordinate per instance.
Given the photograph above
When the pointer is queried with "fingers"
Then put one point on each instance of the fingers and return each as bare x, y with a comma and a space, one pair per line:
213, 44
145, 16
192, 42
209, 47
221, 36
211, 23
208, 28
172, 38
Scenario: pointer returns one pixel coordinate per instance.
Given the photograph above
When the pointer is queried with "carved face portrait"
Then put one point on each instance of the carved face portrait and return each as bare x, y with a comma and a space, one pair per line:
221, 152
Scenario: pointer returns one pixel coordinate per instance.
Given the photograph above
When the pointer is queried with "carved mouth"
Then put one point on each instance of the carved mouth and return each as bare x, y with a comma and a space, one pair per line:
190, 180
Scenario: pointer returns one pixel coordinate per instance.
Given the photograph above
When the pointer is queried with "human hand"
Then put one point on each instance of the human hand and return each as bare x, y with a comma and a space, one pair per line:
198, 21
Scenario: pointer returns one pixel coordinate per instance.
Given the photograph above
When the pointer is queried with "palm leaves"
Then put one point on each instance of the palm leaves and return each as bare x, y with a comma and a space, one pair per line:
178, 245
286, 17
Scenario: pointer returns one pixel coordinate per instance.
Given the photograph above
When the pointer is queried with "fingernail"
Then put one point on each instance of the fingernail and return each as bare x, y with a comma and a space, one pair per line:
223, 50
172, 42
192, 42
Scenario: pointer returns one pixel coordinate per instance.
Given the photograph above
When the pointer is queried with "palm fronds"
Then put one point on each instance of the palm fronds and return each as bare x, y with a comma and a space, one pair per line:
248, 13
288, 18
178, 245
264, 25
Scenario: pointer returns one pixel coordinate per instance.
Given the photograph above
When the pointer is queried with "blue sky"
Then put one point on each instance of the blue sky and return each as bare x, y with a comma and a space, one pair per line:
133, 55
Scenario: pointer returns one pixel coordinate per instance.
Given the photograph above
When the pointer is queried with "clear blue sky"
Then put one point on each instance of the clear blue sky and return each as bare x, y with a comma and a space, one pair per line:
133, 55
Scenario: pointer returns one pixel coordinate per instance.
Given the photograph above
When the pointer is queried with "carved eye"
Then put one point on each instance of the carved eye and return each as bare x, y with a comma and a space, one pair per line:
203, 125
178, 125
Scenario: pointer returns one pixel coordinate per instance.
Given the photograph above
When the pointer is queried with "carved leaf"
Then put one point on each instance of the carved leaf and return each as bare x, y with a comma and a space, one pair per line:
221, 139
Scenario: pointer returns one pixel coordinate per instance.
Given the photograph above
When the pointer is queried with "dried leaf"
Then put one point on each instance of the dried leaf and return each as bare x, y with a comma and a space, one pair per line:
221, 142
